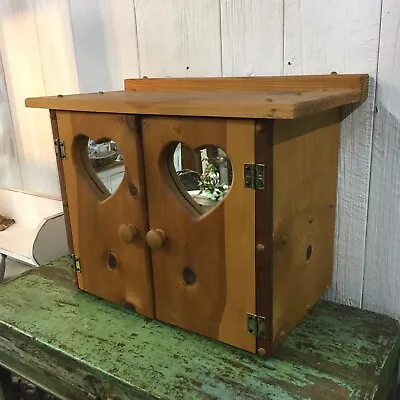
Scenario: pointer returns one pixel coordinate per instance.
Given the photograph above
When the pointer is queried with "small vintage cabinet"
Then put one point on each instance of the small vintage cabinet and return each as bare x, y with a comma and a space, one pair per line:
223, 223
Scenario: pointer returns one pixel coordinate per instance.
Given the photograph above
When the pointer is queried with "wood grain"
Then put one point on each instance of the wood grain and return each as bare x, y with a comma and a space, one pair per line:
63, 189
305, 160
285, 105
263, 152
252, 37
19, 48
56, 46
217, 246
382, 279
96, 218
187, 41
321, 37
253, 84
105, 42
9, 162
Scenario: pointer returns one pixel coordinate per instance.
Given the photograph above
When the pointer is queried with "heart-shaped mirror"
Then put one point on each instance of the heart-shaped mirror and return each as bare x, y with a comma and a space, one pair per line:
103, 164
202, 176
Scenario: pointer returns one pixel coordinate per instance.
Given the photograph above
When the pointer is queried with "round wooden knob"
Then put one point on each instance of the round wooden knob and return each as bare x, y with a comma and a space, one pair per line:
155, 238
127, 233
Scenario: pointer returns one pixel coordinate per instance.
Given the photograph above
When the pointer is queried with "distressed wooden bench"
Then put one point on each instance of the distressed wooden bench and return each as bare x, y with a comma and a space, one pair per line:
76, 346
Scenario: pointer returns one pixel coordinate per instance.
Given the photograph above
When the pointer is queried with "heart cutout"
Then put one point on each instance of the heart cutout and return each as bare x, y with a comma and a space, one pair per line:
103, 163
201, 178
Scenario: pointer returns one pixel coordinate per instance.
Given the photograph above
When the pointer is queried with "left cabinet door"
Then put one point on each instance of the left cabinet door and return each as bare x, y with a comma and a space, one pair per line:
108, 229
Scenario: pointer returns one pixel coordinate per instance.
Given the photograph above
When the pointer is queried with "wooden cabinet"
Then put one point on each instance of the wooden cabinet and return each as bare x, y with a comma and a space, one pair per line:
244, 269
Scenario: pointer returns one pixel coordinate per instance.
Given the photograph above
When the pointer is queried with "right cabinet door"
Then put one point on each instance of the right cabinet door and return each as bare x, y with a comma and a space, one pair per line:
201, 224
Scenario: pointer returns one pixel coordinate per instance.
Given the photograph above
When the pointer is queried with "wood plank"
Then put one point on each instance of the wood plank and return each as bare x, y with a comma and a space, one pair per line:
93, 211
285, 105
105, 43
341, 36
187, 40
357, 354
221, 295
252, 37
56, 46
9, 163
256, 84
263, 245
63, 189
305, 160
19, 43
382, 280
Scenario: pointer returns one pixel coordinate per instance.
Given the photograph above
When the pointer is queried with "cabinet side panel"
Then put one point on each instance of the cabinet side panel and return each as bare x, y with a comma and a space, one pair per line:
305, 160
263, 149
54, 127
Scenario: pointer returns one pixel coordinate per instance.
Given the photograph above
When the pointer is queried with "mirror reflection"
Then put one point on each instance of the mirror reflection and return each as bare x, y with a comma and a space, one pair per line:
107, 162
205, 173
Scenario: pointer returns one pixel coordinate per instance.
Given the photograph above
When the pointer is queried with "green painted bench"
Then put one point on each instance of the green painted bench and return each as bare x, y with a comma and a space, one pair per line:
77, 346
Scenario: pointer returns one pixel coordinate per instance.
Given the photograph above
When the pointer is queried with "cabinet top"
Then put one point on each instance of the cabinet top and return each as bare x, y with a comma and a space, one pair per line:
259, 97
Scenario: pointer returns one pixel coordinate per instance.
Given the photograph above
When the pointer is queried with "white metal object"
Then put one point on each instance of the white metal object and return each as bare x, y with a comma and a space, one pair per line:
39, 234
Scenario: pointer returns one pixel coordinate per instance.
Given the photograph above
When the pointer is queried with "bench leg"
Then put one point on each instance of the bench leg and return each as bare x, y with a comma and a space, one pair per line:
6, 386
2, 266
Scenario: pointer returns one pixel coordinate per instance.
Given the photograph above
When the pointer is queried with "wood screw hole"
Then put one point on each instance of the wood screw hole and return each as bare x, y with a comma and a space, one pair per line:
309, 252
112, 260
133, 190
189, 276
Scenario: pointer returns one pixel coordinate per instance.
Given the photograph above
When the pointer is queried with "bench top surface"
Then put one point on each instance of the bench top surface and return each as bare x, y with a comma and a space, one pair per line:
66, 339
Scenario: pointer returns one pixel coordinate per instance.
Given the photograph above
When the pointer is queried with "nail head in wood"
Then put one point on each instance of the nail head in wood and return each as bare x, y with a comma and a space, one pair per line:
259, 128
260, 247
261, 352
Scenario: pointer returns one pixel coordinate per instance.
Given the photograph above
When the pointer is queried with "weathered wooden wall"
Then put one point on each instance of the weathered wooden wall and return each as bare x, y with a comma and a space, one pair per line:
63, 46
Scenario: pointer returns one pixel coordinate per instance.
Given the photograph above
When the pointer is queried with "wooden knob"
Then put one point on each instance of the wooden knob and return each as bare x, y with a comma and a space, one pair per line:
155, 238
127, 233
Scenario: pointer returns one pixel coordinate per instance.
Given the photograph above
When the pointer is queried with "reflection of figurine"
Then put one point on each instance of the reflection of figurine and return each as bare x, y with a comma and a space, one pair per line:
210, 184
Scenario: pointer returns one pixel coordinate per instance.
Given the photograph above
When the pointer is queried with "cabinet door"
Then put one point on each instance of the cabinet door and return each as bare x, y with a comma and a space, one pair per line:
202, 250
108, 229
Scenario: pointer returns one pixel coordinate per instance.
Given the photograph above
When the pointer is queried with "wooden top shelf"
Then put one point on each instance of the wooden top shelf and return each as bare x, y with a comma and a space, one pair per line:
240, 99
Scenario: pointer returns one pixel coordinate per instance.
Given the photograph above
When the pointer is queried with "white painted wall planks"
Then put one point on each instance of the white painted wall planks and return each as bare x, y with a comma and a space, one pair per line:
105, 43
342, 36
180, 40
382, 269
252, 37
64, 46
10, 174
23, 71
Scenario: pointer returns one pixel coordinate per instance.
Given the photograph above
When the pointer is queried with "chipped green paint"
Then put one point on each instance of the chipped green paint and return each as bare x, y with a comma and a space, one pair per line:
73, 344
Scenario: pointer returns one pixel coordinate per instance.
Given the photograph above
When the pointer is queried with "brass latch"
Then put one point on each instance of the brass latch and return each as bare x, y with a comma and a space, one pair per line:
59, 148
256, 325
254, 176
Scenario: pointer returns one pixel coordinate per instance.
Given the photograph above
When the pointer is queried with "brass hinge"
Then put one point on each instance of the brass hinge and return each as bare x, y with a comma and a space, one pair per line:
59, 148
254, 176
256, 325
76, 263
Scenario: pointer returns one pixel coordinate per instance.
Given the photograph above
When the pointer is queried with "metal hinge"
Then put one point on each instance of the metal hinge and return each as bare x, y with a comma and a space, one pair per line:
254, 176
76, 263
59, 148
256, 325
